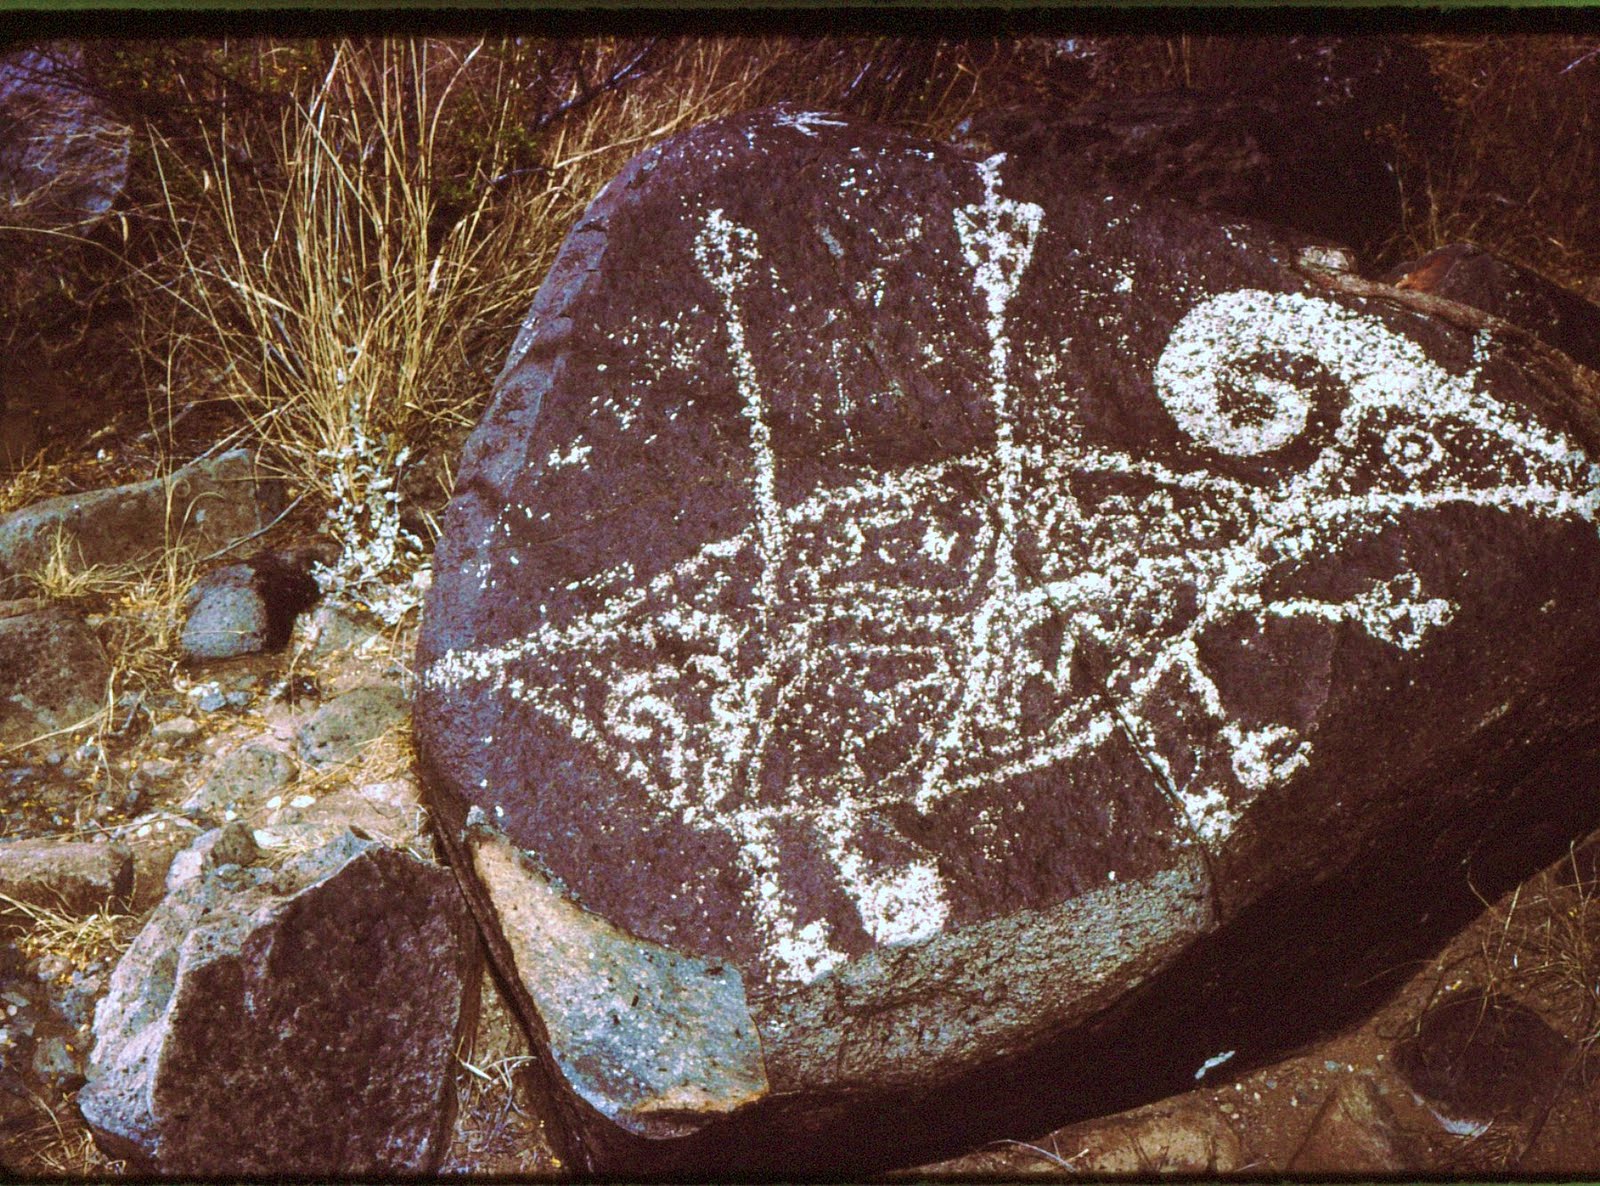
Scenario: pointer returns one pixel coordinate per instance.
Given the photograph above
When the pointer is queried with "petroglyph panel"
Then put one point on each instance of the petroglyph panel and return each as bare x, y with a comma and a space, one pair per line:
857, 551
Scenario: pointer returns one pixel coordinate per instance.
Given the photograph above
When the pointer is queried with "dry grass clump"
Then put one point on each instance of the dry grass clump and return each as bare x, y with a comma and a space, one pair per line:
59, 1145
81, 940
28, 483
498, 1127
350, 272
1518, 175
135, 609
347, 264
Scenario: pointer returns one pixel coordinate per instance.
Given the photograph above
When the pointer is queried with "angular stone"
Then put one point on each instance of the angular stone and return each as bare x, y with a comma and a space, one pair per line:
53, 674
69, 876
334, 628
337, 731
231, 844
242, 609
292, 1021
206, 505
242, 778
993, 625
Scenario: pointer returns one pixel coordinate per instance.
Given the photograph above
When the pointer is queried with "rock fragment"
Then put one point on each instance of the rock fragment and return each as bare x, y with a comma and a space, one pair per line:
207, 505
66, 876
292, 1021
1469, 274
53, 674
242, 779
246, 608
338, 729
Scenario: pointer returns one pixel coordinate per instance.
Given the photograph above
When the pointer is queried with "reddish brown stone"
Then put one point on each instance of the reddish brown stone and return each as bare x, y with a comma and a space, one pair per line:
301, 1020
69, 877
1467, 273
944, 610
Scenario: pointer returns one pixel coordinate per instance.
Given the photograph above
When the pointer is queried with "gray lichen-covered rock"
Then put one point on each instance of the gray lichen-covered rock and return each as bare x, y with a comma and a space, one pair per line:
970, 637
207, 505
242, 778
337, 731
241, 609
53, 674
300, 1020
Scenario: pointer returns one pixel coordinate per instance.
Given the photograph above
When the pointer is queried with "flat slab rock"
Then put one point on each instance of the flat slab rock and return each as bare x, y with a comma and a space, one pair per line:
53, 674
209, 504
884, 620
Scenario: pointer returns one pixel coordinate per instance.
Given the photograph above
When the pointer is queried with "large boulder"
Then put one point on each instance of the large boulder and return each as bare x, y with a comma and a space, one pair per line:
1471, 275
291, 1020
1248, 156
908, 662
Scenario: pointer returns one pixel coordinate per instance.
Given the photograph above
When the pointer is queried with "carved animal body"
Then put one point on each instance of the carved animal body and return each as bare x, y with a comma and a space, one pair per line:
1031, 551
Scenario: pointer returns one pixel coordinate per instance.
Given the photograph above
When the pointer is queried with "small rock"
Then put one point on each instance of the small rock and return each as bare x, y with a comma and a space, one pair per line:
337, 730
391, 812
84, 988
58, 1063
75, 877
56, 673
293, 1021
1354, 1132
241, 779
175, 729
242, 609
333, 628
211, 700
158, 770
231, 844
1173, 1137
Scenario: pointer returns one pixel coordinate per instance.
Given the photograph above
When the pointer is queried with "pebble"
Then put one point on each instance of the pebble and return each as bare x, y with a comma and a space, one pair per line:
176, 729
211, 700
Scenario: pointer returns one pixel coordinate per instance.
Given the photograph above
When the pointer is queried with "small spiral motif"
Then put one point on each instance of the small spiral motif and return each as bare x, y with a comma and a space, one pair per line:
1216, 342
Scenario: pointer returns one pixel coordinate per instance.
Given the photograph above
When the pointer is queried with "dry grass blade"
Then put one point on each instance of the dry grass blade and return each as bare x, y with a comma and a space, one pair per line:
79, 939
